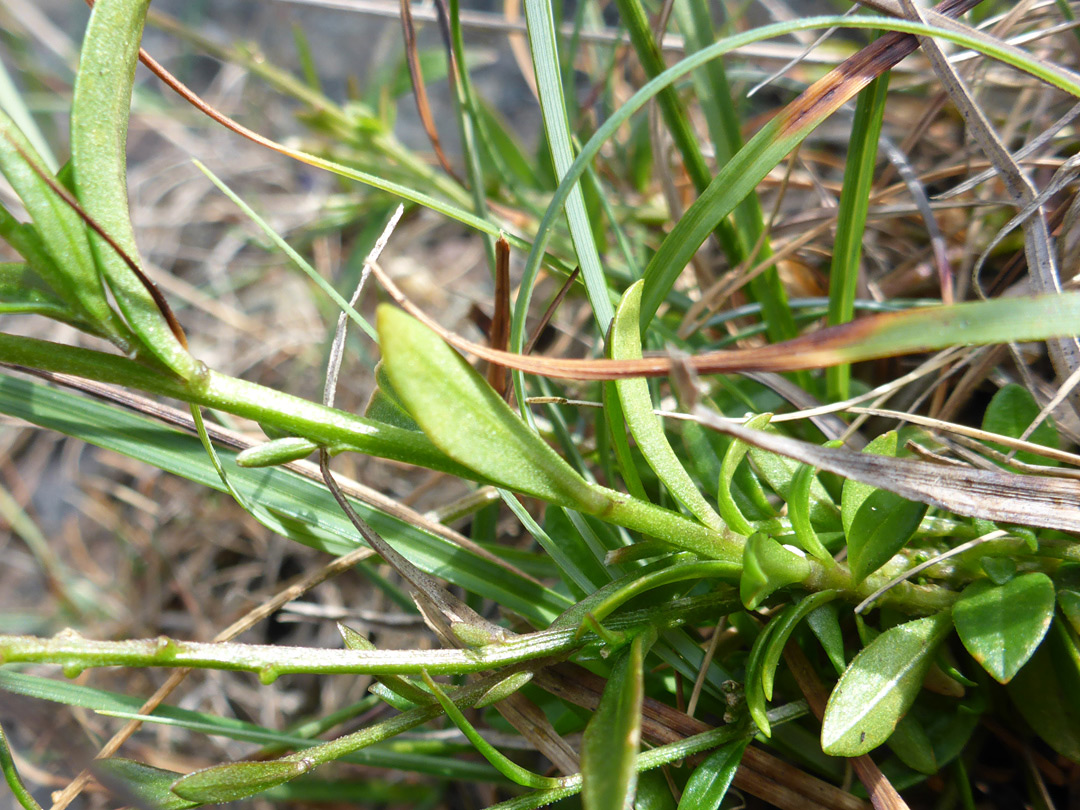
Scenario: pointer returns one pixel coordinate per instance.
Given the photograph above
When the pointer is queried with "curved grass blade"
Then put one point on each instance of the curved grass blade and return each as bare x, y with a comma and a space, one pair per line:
613, 737
880, 685
645, 426
99, 121
786, 623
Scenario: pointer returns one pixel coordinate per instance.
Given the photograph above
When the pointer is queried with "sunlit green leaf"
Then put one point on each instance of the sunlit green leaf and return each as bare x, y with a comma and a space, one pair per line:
646, 427
880, 685
1003, 625
877, 523
768, 566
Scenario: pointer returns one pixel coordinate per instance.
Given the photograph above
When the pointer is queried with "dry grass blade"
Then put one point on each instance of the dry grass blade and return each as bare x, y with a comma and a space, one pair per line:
870, 338
416, 76
1052, 503
1042, 264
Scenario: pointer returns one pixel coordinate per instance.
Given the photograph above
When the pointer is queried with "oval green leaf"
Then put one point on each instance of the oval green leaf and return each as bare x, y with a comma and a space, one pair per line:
1010, 413
877, 523
236, 780
466, 419
880, 685
1002, 625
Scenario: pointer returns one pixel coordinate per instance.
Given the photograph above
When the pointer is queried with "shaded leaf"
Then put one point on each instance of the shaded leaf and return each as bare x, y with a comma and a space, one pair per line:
877, 523
786, 622
709, 783
1002, 625
911, 744
1010, 413
825, 624
612, 738
880, 685
1047, 691
141, 784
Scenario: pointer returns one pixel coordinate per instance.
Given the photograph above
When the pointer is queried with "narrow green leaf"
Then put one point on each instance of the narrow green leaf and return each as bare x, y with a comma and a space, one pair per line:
799, 511
277, 451
612, 738
99, 122
1002, 625
1047, 691
141, 784
11, 776
825, 624
877, 523
709, 783
753, 688
544, 49
55, 245
466, 419
1010, 413
880, 685
725, 499
507, 767
645, 426
851, 219
768, 566
303, 504
779, 473
786, 622
236, 780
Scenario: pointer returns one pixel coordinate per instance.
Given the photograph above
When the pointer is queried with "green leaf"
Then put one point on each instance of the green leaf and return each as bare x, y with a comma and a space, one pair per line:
236, 780
909, 741
99, 122
825, 624
610, 746
1010, 413
753, 689
709, 783
1002, 625
1047, 691
646, 427
880, 685
507, 767
779, 473
725, 499
799, 510
544, 48
55, 244
768, 566
1070, 607
141, 784
466, 419
877, 523
786, 622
